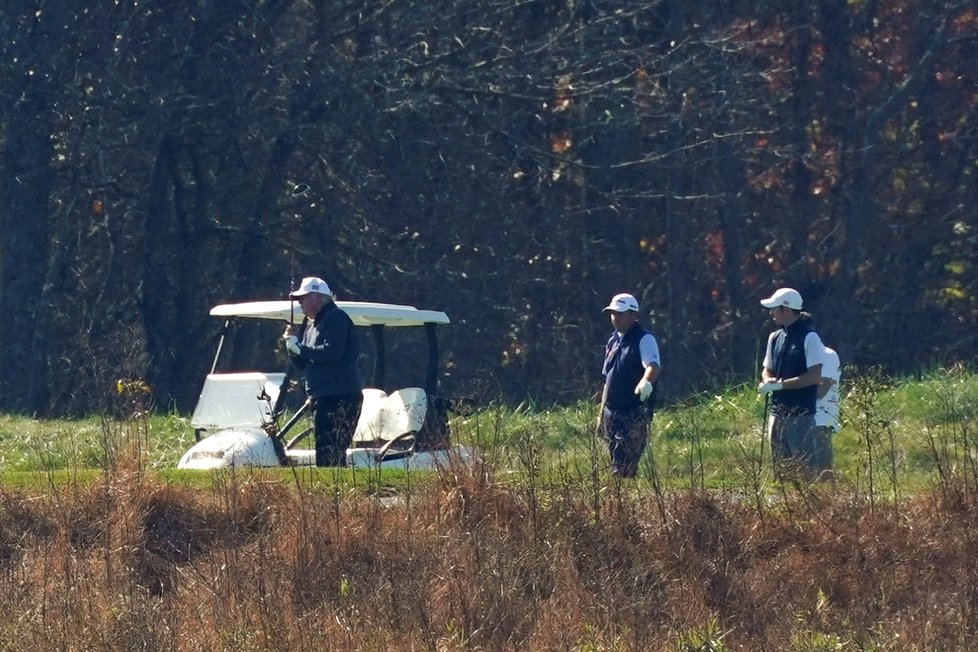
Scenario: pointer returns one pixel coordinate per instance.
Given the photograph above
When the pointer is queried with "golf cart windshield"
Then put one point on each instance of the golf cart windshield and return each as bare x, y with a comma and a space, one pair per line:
237, 400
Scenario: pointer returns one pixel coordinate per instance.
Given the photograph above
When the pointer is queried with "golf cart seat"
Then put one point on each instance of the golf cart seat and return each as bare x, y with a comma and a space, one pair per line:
385, 417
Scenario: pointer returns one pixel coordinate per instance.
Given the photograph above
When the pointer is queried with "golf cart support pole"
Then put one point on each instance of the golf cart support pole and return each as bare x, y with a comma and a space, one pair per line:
220, 343
380, 357
217, 355
431, 378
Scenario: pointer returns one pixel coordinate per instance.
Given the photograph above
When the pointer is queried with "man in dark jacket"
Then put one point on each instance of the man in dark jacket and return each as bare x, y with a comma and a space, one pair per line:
631, 367
792, 369
326, 352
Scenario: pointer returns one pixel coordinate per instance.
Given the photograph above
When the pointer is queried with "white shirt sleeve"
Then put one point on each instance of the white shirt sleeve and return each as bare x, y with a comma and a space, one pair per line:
827, 407
769, 351
830, 365
814, 350
648, 348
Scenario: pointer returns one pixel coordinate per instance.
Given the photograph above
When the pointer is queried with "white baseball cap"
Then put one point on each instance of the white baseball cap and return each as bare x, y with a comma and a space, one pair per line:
312, 284
787, 297
622, 303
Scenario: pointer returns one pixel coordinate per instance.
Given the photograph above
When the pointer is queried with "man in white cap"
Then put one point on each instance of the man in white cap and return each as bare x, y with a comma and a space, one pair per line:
792, 369
326, 351
631, 368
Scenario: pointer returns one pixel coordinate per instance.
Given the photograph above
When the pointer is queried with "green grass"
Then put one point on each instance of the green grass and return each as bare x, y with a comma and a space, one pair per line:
897, 435
45, 444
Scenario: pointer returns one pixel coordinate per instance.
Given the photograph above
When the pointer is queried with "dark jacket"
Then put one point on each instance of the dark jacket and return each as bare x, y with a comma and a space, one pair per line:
623, 368
788, 354
328, 352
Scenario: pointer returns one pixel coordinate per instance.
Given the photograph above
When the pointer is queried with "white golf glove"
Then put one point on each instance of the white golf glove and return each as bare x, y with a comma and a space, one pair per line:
643, 390
769, 386
292, 344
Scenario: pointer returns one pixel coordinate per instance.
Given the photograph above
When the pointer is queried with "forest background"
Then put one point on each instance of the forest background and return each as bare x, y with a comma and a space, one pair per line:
513, 163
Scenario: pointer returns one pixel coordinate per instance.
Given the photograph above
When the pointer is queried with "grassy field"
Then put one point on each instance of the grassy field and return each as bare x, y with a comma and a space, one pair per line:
906, 433
104, 545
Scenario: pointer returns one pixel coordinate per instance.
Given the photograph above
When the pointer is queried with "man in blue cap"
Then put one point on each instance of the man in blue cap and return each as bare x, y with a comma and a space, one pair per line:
631, 368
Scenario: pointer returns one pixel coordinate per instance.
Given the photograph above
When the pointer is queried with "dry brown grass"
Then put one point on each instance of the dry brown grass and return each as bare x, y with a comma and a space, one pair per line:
471, 563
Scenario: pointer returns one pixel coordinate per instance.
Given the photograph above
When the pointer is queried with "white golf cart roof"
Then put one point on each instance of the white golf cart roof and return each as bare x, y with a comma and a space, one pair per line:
362, 313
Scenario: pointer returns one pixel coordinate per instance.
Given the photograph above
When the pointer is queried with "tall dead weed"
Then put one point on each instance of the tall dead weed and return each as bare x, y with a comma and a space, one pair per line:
475, 564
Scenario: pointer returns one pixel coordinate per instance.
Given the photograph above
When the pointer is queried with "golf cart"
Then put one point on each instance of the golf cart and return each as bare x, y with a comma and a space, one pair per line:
237, 416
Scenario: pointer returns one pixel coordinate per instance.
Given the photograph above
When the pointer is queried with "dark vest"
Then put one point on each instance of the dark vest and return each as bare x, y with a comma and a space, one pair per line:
623, 368
788, 353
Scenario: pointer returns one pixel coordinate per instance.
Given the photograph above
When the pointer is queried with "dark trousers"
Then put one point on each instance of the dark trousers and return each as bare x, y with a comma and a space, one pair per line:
626, 433
798, 445
335, 420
